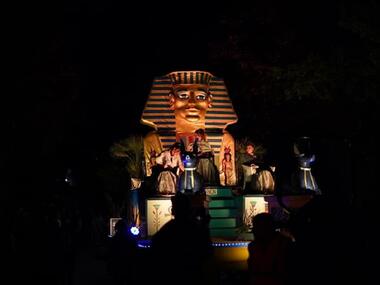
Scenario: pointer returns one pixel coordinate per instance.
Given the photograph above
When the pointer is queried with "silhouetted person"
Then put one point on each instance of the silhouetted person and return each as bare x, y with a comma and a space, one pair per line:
269, 253
181, 247
326, 243
123, 255
53, 250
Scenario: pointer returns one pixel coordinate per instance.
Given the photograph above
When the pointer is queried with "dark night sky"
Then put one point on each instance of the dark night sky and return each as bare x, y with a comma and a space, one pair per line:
80, 71
103, 53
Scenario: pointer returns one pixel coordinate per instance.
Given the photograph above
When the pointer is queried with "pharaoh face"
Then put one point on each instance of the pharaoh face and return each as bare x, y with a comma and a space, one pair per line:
190, 102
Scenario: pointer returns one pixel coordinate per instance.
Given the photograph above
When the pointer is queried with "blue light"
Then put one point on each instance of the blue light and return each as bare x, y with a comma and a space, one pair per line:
231, 244
135, 231
144, 243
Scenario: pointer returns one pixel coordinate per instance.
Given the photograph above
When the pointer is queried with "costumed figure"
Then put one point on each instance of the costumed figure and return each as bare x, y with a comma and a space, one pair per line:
247, 165
190, 181
205, 167
304, 179
227, 174
182, 102
170, 165
258, 176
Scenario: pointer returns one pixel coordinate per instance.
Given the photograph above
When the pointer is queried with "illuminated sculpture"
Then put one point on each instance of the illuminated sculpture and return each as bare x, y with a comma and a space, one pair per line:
227, 173
190, 180
304, 179
182, 102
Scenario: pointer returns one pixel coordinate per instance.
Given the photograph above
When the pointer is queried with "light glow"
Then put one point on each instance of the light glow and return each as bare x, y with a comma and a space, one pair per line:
135, 231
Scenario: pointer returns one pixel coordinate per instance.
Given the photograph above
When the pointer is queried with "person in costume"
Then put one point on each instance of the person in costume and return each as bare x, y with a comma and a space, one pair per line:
258, 176
205, 167
227, 168
170, 165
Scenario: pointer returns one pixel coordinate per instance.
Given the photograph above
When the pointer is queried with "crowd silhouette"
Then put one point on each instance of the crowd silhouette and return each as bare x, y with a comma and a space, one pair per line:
182, 248
44, 245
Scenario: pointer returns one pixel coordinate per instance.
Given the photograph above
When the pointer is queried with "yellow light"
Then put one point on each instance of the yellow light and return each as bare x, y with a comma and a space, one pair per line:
235, 257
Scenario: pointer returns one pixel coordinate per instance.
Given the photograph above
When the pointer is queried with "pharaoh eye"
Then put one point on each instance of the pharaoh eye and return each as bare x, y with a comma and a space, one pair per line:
200, 94
201, 97
183, 95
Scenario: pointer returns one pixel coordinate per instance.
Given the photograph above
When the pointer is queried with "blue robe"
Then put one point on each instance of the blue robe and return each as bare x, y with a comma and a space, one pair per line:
306, 180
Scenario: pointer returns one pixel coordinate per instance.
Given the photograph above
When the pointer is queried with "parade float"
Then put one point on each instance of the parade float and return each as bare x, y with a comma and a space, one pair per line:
189, 150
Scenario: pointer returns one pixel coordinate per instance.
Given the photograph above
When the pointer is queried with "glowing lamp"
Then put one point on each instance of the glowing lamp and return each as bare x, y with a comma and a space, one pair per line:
135, 231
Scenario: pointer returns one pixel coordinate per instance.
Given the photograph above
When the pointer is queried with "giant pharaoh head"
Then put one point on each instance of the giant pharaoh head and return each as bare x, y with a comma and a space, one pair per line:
190, 98
184, 101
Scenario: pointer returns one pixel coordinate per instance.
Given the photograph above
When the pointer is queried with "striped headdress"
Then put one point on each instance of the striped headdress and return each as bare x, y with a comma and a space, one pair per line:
157, 112
190, 77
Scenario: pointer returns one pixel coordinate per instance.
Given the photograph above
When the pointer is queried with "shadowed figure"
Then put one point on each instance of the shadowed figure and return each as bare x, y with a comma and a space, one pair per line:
123, 255
328, 244
269, 253
182, 247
